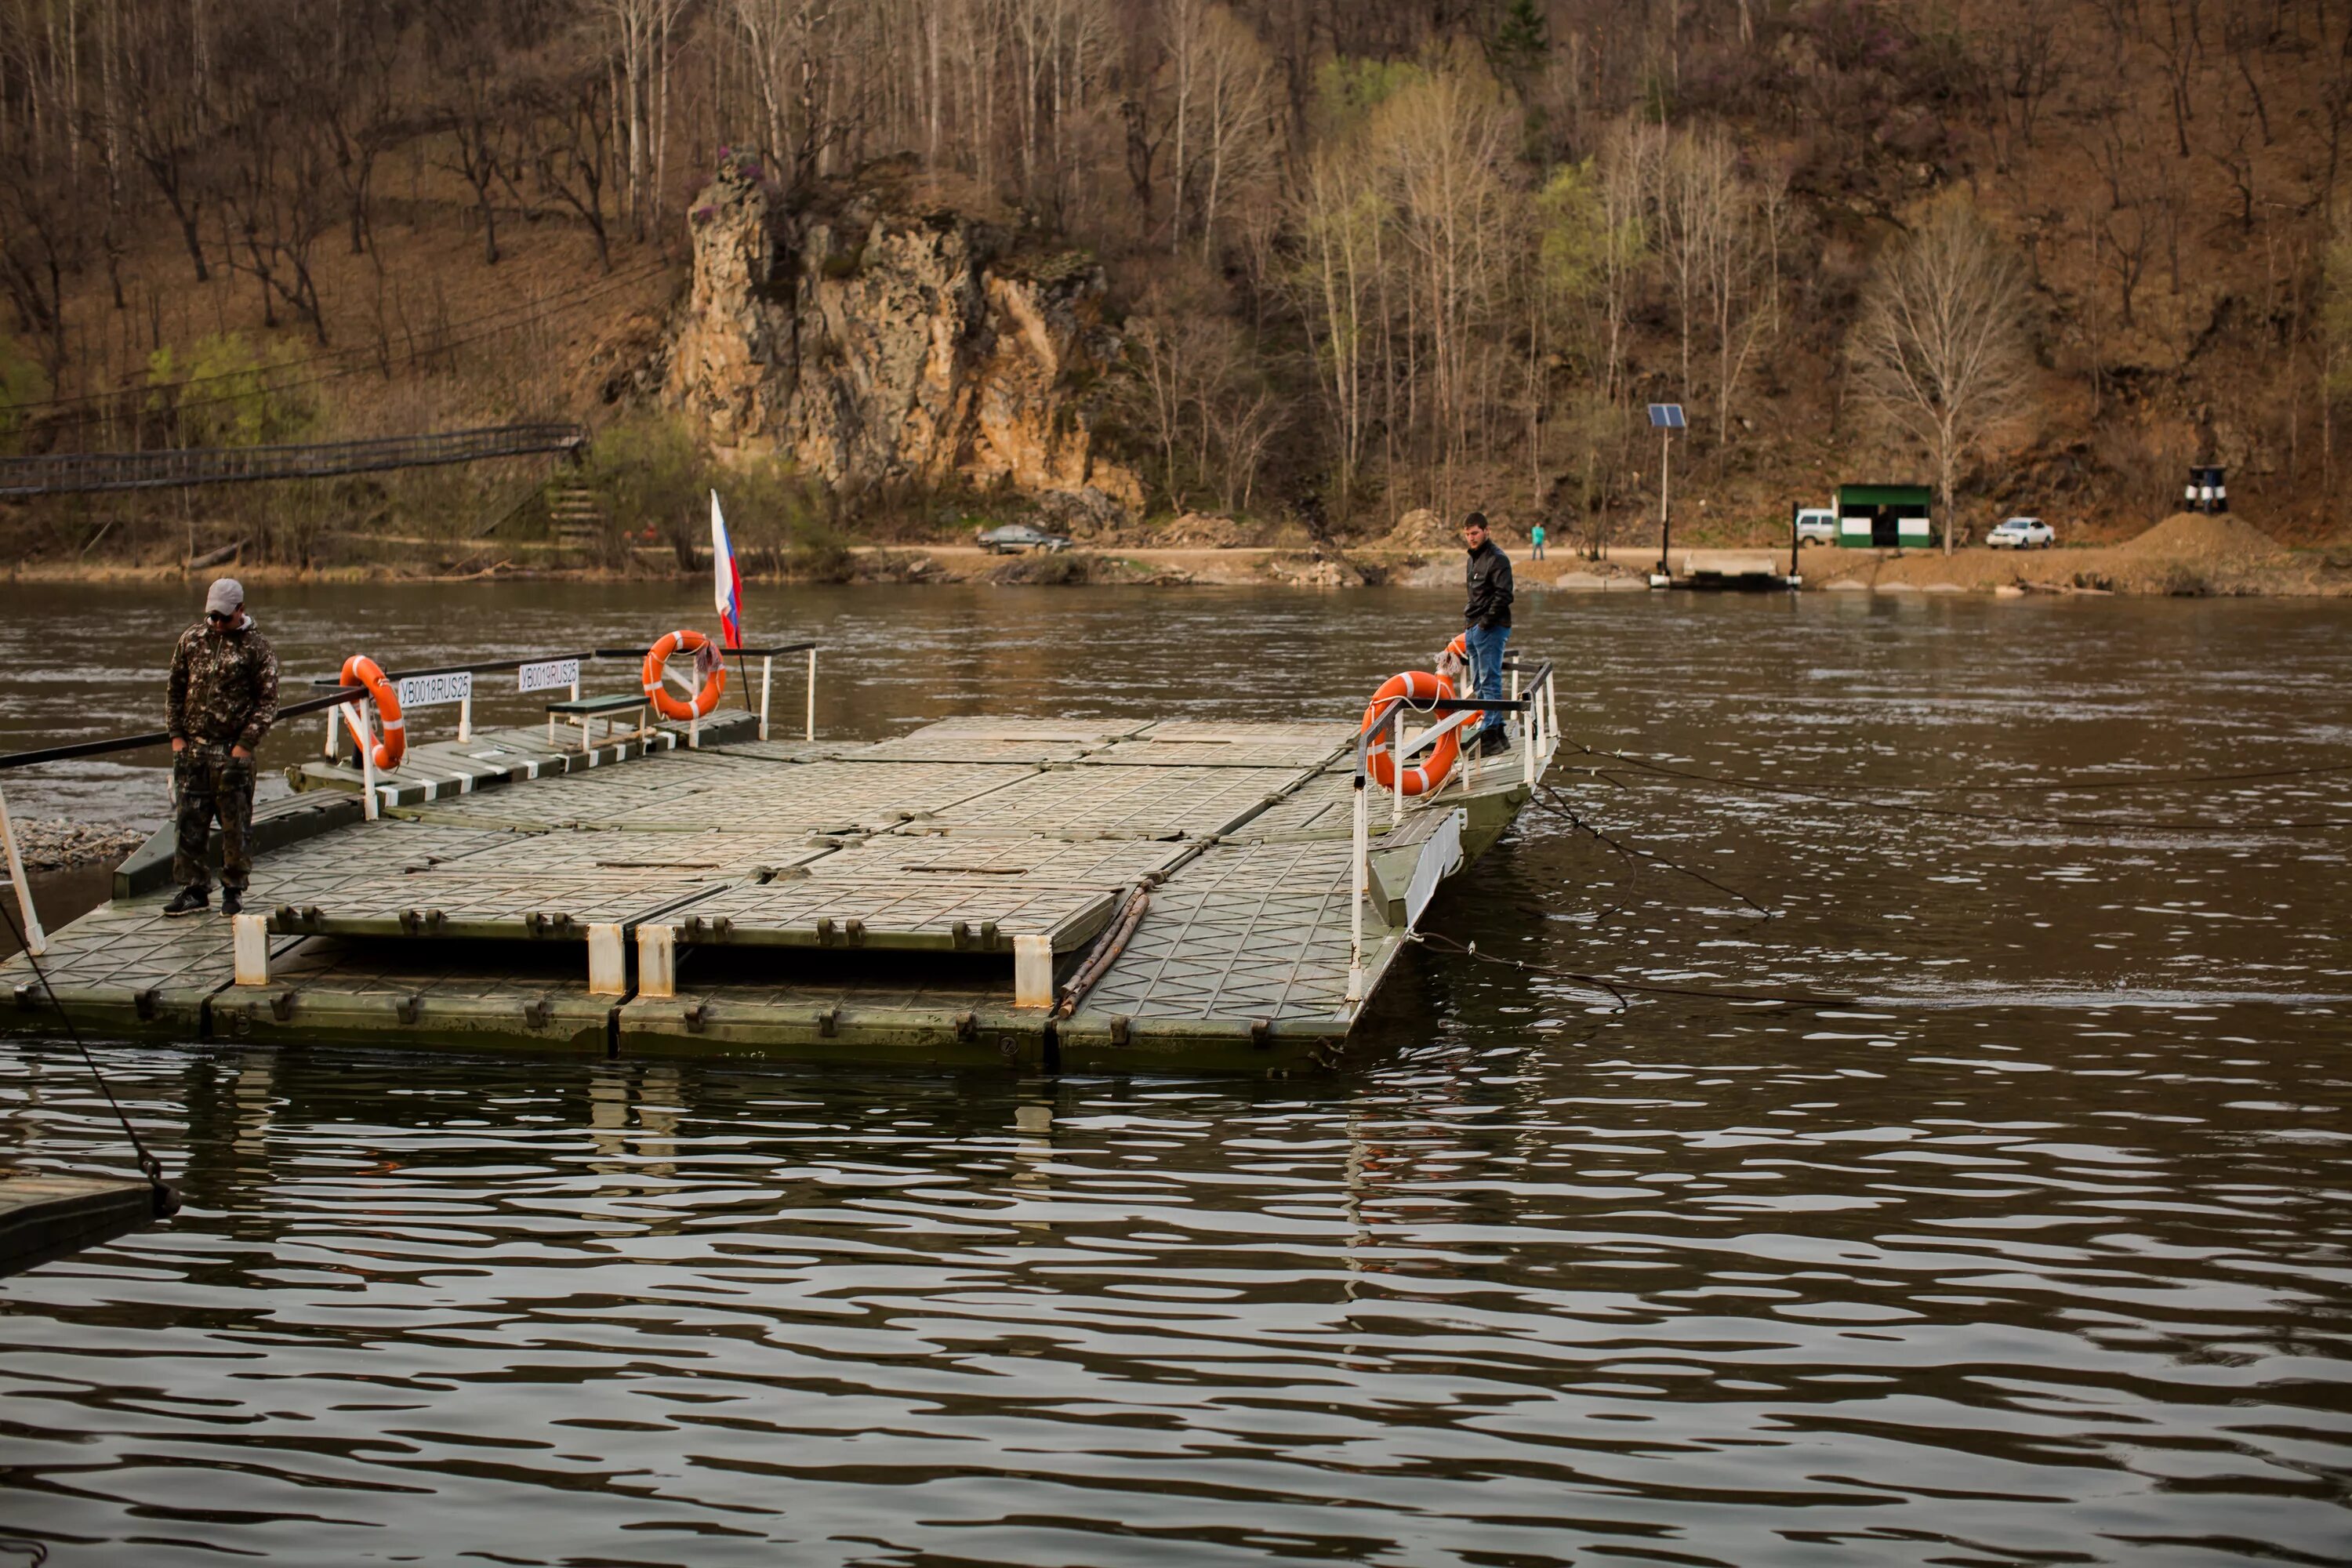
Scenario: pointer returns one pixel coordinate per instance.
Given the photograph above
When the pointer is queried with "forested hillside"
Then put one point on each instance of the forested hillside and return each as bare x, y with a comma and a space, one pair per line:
1362, 255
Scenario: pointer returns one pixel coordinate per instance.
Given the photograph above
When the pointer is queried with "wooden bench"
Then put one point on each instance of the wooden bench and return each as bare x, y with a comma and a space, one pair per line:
586, 710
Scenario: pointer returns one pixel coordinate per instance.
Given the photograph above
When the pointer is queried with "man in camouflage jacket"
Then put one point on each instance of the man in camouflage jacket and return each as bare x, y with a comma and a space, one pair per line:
223, 699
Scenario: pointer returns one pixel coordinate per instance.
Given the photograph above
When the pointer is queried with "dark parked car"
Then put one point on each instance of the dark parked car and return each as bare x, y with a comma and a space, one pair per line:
1016, 537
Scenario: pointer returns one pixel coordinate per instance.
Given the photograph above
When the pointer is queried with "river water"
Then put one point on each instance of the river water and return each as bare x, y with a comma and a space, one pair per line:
2035, 1252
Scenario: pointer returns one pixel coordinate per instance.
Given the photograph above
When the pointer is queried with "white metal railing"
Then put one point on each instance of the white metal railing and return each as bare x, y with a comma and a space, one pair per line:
356, 706
1537, 737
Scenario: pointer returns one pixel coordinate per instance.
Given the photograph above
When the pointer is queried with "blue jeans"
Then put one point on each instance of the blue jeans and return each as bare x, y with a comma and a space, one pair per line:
1486, 658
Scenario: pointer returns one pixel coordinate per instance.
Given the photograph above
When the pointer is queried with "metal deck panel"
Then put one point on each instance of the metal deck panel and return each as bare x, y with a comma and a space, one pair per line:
1241, 933
491, 903
1096, 862
778, 751
950, 914
389, 845
1322, 808
1330, 733
945, 1021
125, 967
918, 748
1153, 752
414, 993
980, 727
581, 851
581, 800
810, 796
1133, 803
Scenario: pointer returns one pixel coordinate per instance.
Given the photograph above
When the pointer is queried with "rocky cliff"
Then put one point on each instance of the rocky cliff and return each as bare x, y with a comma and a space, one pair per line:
885, 346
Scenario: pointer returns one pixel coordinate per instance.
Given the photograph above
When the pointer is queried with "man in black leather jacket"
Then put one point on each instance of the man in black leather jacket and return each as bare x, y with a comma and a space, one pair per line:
1486, 621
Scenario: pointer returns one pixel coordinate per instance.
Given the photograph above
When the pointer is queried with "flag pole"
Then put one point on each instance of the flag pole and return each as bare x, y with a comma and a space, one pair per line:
728, 583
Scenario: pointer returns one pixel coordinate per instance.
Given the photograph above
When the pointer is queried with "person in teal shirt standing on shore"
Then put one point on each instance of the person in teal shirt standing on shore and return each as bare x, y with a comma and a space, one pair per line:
1536, 539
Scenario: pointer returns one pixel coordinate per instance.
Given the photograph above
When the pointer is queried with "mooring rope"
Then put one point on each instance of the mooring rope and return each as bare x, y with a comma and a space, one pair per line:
167, 1198
1552, 797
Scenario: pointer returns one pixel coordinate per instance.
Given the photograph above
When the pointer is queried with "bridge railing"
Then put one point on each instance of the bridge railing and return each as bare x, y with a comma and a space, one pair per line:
81, 471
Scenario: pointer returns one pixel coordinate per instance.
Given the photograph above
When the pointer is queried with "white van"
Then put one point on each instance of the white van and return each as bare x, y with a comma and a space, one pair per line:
1816, 525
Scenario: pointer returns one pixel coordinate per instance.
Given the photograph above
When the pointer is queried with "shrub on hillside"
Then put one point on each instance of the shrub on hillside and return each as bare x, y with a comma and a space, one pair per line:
226, 393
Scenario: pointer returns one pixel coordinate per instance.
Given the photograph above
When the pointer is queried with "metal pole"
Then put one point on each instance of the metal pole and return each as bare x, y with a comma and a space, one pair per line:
36, 942
365, 734
1396, 756
767, 675
1665, 452
1360, 873
812, 695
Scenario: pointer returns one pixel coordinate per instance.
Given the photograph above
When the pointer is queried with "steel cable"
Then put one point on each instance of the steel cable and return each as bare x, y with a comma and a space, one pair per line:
166, 1197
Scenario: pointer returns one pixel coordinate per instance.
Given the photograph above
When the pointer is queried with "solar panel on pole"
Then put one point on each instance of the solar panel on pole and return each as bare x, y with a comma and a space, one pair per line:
1665, 418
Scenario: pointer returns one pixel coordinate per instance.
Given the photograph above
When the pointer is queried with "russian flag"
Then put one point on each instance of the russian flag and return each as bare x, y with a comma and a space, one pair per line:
726, 582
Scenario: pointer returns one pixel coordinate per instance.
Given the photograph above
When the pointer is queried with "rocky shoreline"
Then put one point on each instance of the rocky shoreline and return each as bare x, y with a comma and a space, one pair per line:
55, 843
2185, 557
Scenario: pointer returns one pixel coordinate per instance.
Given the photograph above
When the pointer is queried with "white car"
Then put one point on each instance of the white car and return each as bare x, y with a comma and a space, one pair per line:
2022, 533
1816, 525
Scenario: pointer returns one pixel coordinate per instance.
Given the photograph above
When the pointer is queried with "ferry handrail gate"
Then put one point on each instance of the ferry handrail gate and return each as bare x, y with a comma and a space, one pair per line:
1534, 696
540, 672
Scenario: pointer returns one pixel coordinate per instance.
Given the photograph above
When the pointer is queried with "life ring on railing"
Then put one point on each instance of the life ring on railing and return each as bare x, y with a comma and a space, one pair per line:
361, 671
1417, 688
657, 658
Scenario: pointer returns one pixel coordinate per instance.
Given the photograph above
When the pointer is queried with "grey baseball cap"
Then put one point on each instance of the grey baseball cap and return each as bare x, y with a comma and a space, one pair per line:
226, 597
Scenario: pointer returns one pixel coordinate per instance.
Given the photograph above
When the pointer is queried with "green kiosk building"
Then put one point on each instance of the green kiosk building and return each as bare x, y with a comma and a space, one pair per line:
1885, 517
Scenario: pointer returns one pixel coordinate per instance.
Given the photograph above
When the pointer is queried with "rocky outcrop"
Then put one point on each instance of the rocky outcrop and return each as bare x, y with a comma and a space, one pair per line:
880, 345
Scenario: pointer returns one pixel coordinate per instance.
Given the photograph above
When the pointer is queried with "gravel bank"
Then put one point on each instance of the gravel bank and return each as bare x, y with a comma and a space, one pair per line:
52, 844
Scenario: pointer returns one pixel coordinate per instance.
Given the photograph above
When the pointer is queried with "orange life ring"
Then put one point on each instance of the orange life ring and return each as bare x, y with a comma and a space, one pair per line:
1416, 687
657, 657
361, 671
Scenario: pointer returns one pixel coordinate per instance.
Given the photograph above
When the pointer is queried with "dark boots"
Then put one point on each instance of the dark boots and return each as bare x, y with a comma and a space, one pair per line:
191, 902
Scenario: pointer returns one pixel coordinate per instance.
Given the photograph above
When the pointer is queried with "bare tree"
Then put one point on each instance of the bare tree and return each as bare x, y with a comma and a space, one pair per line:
1940, 351
1222, 102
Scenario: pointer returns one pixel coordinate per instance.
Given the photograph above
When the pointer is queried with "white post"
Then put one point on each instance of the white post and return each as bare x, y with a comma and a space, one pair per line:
365, 737
36, 942
1033, 971
466, 717
1360, 873
249, 948
812, 695
1396, 755
767, 673
608, 961
656, 961
1515, 696
694, 725
327, 743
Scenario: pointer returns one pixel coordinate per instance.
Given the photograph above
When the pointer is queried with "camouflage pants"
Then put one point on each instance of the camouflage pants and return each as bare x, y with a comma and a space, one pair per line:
210, 783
